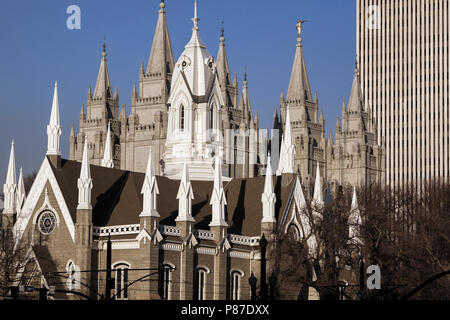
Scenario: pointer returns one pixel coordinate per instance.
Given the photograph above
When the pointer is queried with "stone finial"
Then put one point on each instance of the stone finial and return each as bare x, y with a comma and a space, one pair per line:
85, 181
150, 190
218, 199
185, 196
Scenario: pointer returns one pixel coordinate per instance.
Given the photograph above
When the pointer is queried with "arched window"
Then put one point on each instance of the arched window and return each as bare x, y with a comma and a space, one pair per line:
165, 282
293, 232
121, 286
200, 283
236, 277
182, 118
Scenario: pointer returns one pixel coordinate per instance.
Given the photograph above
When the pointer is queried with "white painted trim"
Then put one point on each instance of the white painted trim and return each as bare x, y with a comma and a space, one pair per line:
208, 271
45, 174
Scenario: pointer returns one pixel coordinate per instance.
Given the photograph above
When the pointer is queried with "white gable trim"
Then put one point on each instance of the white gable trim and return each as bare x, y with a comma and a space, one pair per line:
45, 174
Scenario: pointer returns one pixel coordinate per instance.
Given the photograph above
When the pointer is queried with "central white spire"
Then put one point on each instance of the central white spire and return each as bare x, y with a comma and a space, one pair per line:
54, 127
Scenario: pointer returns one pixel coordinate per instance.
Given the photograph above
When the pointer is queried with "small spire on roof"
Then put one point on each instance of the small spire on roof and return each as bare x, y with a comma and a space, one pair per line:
195, 19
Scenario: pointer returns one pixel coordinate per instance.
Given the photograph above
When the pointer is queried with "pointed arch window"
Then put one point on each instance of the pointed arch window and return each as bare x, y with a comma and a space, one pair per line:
182, 117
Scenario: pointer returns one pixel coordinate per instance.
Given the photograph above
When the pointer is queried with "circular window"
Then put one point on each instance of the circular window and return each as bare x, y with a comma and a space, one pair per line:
47, 222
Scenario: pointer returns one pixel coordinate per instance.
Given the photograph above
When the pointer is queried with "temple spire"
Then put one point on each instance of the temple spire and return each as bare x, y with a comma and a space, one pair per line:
223, 69
54, 127
161, 60
85, 181
355, 103
108, 160
103, 84
245, 104
218, 200
150, 190
299, 88
10, 187
185, 196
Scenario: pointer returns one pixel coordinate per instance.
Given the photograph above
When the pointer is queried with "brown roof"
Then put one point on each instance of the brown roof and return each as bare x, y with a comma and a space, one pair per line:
117, 198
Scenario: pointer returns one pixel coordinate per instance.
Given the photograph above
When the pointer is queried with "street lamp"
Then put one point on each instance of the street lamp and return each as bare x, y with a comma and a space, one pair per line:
253, 281
263, 291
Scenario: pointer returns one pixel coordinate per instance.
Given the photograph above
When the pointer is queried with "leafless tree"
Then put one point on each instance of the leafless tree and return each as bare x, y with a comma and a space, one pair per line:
13, 259
405, 231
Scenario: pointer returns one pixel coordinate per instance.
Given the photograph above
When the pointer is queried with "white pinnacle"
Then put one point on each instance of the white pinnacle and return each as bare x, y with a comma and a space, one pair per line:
218, 200
20, 192
288, 135
107, 160
318, 196
268, 198
85, 181
10, 187
268, 185
354, 220
150, 190
11, 175
54, 127
287, 152
185, 196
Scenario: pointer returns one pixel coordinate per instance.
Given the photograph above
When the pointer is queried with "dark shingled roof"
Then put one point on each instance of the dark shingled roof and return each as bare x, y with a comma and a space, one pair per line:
117, 198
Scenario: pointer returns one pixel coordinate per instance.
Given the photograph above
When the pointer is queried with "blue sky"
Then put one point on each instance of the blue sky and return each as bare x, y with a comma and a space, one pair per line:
37, 49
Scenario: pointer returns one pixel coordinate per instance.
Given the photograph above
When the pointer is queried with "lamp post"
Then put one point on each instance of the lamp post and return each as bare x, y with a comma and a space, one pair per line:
263, 290
253, 281
108, 268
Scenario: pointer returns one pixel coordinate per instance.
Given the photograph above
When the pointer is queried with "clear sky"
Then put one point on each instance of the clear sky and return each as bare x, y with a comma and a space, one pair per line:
36, 48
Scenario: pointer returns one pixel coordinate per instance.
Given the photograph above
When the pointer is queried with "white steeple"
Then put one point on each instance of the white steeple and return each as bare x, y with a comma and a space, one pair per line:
54, 127
287, 152
268, 198
318, 203
185, 196
10, 187
85, 181
107, 160
21, 196
318, 196
354, 220
150, 190
218, 200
